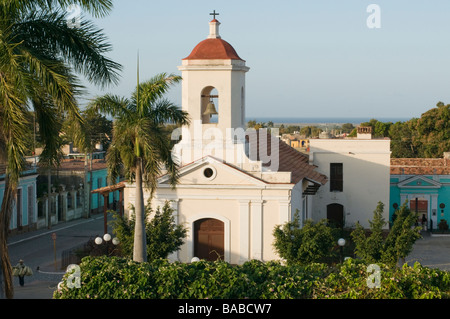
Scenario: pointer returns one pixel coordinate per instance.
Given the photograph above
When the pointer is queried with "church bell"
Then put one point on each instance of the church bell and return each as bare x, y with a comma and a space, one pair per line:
210, 109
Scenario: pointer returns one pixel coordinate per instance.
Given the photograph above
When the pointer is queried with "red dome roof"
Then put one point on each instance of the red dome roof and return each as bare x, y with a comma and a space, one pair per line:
215, 48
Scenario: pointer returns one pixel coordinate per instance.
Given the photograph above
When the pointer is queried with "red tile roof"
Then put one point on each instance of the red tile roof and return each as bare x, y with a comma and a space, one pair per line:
420, 166
289, 159
210, 49
78, 165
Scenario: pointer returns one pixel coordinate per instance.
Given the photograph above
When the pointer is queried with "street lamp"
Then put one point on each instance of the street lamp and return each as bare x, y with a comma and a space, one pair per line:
195, 259
341, 243
106, 239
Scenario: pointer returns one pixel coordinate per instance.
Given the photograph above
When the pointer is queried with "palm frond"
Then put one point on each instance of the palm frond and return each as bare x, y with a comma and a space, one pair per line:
82, 47
49, 128
98, 8
14, 128
155, 88
164, 111
110, 104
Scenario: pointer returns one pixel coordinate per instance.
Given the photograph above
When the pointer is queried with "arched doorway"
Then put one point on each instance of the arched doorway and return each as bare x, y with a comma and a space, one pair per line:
209, 239
335, 214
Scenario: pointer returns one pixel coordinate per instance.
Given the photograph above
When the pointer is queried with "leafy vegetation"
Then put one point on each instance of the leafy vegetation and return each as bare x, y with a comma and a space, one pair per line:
140, 148
375, 247
311, 243
41, 57
121, 278
163, 235
424, 137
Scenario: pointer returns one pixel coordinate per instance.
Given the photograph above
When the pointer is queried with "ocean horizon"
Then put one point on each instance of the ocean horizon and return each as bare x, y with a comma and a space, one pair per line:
323, 120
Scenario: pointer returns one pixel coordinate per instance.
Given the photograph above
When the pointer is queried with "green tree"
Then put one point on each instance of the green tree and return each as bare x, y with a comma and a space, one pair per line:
140, 145
98, 129
347, 127
433, 129
372, 246
311, 243
402, 236
163, 235
251, 123
40, 57
401, 135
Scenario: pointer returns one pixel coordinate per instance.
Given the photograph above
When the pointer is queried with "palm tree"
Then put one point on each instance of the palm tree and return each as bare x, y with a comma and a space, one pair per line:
140, 147
39, 56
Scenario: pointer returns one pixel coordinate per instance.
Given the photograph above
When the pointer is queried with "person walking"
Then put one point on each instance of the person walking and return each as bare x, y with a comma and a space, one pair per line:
21, 270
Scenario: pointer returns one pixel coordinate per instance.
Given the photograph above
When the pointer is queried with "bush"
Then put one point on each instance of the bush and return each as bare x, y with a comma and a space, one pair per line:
164, 236
120, 278
375, 247
311, 243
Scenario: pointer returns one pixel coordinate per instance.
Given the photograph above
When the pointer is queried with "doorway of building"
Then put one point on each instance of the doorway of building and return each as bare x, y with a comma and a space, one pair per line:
209, 239
420, 206
335, 215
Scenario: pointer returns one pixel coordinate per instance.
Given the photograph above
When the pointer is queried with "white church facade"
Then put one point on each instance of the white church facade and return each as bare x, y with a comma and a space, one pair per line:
235, 185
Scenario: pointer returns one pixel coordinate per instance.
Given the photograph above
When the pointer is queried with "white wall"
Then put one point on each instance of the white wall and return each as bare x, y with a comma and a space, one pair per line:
366, 173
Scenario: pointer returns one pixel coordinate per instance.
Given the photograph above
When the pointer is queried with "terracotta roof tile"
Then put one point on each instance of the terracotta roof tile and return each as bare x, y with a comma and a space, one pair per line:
290, 160
420, 166
213, 49
78, 165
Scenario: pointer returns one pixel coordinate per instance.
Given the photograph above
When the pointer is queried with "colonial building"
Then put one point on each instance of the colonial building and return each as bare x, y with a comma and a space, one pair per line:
358, 172
235, 186
24, 214
71, 193
424, 185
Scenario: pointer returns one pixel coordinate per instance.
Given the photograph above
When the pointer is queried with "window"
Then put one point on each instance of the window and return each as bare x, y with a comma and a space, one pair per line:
336, 177
19, 207
31, 201
208, 172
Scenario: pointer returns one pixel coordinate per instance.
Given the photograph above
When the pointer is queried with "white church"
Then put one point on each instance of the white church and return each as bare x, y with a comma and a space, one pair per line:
235, 186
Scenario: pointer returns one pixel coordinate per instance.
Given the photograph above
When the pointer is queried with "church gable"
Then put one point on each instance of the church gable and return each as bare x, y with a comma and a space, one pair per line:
211, 171
419, 182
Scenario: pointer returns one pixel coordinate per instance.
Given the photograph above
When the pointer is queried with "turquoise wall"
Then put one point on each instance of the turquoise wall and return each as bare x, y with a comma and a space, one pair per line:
99, 179
29, 179
443, 197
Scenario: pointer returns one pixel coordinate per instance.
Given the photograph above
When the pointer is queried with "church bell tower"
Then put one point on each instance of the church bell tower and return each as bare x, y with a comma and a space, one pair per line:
213, 90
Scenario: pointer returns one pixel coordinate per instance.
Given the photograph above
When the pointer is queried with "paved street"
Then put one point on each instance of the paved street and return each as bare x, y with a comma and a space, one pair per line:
37, 250
431, 251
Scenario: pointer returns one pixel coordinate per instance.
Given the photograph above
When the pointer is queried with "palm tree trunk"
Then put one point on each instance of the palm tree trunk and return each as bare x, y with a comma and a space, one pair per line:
140, 240
5, 217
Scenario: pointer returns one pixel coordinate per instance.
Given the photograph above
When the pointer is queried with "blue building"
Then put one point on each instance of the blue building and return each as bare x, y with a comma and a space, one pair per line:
24, 214
424, 185
70, 196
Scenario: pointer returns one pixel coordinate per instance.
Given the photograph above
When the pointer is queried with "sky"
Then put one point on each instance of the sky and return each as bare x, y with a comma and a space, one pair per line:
307, 58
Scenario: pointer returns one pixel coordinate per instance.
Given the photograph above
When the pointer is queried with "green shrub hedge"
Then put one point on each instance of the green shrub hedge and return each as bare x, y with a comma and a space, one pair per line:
121, 278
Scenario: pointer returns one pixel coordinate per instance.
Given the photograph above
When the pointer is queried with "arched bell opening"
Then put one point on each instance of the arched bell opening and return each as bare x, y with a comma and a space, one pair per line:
210, 105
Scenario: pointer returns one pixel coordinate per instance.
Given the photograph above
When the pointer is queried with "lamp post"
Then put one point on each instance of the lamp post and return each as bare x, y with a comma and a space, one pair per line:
341, 243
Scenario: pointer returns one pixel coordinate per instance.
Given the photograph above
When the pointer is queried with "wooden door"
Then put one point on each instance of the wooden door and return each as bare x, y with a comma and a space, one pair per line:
209, 239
